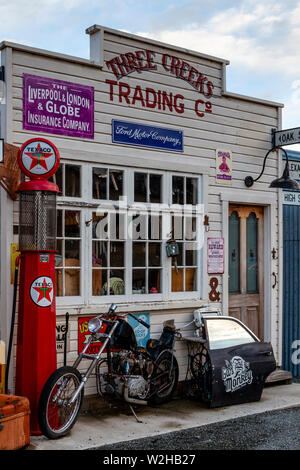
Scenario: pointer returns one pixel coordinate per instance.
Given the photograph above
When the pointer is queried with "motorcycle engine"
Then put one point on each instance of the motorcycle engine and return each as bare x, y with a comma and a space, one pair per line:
131, 370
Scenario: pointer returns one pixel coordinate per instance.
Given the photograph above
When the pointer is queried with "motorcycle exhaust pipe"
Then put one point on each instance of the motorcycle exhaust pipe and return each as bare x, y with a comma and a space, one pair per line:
135, 401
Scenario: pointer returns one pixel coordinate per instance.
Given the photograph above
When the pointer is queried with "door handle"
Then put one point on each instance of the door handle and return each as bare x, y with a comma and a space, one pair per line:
265, 353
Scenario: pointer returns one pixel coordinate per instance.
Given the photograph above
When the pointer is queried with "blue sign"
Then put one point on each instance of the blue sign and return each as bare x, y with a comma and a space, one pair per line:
146, 136
142, 333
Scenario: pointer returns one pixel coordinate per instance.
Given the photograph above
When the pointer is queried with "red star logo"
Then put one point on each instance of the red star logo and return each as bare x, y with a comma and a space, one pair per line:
44, 291
38, 158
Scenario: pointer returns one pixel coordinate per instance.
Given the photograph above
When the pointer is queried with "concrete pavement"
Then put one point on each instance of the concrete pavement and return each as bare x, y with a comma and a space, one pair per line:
111, 424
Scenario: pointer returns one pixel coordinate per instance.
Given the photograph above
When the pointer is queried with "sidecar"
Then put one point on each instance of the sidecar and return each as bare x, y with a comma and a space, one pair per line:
228, 364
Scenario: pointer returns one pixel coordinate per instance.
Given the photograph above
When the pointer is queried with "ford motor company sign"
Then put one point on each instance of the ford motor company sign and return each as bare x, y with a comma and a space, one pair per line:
146, 136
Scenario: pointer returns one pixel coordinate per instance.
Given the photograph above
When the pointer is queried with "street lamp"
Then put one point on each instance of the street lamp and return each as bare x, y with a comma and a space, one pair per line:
284, 182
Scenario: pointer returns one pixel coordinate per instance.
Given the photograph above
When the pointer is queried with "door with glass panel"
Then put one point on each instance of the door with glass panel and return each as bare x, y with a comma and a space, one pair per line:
246, 252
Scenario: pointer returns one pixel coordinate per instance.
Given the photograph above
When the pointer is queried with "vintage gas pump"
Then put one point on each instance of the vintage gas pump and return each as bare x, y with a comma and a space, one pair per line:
36, 338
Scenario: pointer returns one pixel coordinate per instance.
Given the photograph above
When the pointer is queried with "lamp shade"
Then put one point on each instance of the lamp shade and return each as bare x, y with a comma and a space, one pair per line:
285, 181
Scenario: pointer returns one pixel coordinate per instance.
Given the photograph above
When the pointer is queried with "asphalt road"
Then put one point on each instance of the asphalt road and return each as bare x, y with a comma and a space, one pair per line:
276, 430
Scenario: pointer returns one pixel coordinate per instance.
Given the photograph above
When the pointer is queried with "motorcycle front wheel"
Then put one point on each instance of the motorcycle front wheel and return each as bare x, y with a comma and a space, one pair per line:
165, 378
55, 414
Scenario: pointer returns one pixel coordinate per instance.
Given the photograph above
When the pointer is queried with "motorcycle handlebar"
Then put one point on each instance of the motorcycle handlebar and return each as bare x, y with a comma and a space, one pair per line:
139, 320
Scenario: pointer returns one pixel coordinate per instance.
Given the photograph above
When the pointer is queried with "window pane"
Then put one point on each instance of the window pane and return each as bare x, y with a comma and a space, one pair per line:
59, 255
100, 225
191, 190
138, 254
154, 227
190, 279
139, 227
57, 178
115, 184
116, 282
177, 280
117, 254
72, 224
59, 282
99, 183
72, 282
154, 254
177, 227
177, 190
99, 255
179, 257
251, 247
99, 280
72, 253
234, 253
72, 181
191, 254
59, 225
140, 187
190, 228
155, 188
138, 281
226, 333
154, 281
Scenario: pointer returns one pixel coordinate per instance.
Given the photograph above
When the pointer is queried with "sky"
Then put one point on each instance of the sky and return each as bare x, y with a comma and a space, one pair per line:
260, 38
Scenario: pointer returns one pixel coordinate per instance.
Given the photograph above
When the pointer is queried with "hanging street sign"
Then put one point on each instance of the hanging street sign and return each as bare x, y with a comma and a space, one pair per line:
286, 137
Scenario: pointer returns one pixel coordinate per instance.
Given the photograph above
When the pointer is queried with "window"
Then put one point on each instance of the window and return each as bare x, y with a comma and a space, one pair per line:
68, 258
147, 187
68, 179
223, 333
108, 254
146, 254
113, 229
107, 184
184, 269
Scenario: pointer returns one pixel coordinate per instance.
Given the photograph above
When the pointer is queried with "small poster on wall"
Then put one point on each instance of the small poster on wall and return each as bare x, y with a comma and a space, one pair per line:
215, 255
223, 166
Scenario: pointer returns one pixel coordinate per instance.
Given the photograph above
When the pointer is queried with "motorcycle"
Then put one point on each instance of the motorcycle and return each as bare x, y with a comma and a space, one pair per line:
135, 374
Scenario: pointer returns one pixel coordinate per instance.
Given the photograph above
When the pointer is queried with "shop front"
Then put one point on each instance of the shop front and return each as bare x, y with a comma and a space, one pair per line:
152, 149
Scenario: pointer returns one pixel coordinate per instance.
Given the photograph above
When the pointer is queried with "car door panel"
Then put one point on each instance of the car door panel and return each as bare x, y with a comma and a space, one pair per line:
238, 373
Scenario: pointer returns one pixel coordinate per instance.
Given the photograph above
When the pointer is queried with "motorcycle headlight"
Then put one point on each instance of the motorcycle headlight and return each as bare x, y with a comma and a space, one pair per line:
94, 325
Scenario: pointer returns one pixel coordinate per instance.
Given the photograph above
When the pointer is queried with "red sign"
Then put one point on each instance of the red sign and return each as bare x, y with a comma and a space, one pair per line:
84, 335
38, 158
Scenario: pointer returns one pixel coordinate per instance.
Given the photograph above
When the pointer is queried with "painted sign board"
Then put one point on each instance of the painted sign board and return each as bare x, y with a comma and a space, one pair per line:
291, 198
142, 333
215, 255
294, 169
58, 107
286, 137
131, 133
223, 166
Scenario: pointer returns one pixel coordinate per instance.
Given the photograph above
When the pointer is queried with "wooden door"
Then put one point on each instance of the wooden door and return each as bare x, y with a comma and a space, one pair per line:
246, 252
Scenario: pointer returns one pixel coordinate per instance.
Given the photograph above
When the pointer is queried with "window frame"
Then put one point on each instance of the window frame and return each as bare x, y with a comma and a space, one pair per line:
87, 205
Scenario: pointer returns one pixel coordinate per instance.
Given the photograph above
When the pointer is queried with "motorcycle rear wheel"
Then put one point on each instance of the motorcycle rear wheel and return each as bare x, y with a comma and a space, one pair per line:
56, 418
161, 378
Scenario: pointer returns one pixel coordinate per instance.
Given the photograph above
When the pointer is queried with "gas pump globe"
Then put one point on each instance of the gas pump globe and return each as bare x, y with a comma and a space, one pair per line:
36, 339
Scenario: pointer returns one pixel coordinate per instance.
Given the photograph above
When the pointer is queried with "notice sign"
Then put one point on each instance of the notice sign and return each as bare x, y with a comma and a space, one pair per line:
58, 107
215, 255
142, 333
147, 136
223, 166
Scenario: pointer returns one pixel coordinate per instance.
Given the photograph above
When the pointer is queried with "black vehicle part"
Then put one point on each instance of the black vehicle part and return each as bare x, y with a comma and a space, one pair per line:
124, 337
166, 341
164, 378
55, 415
239, 372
